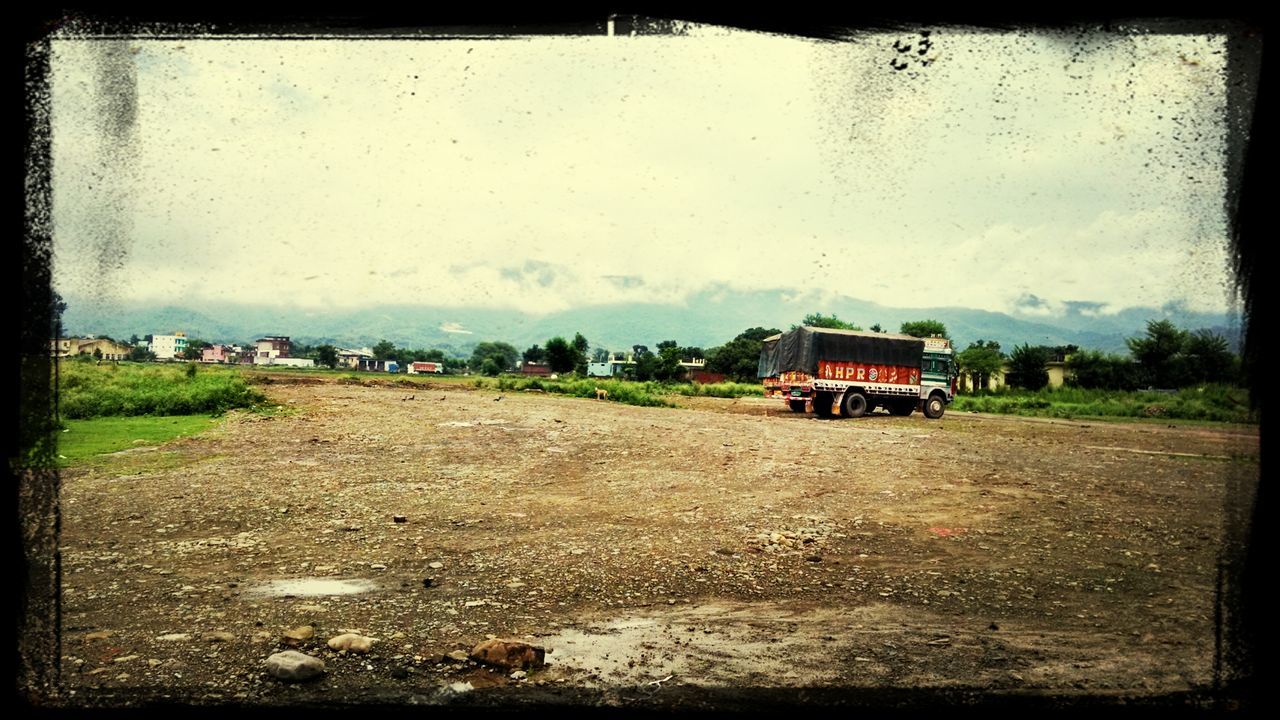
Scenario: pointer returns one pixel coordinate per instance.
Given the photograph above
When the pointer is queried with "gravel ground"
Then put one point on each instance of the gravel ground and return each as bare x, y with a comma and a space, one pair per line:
724, 555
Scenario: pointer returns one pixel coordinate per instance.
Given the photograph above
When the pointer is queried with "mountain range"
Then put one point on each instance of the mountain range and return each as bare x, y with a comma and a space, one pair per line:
705, 319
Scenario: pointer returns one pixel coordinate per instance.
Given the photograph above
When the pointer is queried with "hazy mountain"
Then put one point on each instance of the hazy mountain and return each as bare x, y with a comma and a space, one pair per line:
706, 320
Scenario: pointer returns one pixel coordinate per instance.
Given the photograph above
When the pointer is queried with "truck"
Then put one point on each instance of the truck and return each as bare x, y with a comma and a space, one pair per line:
851, 373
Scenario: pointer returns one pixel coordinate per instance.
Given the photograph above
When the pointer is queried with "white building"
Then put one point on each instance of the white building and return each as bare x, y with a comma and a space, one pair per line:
167, 347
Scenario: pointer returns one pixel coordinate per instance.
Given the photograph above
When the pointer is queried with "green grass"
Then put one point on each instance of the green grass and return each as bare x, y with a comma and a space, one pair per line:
1210, 403
85, 439
644, 394
89, 390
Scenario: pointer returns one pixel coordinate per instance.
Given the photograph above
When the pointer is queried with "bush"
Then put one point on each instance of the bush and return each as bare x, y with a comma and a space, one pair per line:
1215, 403
86, 391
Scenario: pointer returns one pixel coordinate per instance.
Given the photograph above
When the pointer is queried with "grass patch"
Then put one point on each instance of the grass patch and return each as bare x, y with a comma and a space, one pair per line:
90, 390
89, 438
1210, 403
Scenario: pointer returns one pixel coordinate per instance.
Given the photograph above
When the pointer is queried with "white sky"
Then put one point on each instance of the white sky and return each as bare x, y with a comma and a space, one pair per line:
1015, 171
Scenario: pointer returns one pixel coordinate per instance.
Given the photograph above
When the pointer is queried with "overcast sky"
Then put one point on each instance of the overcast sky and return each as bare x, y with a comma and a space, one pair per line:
1015, 171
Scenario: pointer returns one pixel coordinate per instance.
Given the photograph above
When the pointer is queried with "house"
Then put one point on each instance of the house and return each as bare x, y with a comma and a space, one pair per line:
1057, 370
371, 365
351, 358
101, 348
104, 349
532, 368
293, 362
168, 347
416, 368
269, 349
63, 347
706, 377
218, 354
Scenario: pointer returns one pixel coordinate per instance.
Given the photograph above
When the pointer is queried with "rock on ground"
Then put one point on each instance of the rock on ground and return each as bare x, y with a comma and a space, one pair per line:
351, 642
293, 665
508, 654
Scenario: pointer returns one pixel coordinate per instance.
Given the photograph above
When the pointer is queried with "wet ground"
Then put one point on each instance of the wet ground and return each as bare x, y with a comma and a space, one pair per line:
728, 554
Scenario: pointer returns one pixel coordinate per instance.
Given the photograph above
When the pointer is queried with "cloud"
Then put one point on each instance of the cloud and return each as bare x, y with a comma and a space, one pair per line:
556, 172
453, 327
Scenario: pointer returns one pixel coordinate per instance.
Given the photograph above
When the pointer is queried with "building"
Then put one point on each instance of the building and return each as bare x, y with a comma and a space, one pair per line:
168, 347
1057, 370
268, 350
218, 354
104, 349
101, 348
351, 358
293, 362
537, 369
371, 365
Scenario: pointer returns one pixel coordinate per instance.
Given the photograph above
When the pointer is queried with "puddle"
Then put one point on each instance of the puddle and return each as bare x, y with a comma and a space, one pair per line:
311, 587
709, 645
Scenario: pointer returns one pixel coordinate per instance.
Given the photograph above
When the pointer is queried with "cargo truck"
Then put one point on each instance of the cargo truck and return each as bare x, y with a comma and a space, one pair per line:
850, 373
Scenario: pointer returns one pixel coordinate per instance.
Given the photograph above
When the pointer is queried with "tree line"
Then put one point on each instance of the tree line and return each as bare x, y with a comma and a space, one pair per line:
1164, 357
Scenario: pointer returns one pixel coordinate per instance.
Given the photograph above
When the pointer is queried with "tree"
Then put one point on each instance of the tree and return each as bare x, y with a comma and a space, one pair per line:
740, 358
924, 329
504, 355
599, 355
1159, 354
1208, 358
133, 340
1026, 367
980, 361
535, 354
195, 349
383, 350
645, 363
826, 321
489, 366
580, 347
561, 356
877, 328
667, 367
1093, 369
141, 354
327, 355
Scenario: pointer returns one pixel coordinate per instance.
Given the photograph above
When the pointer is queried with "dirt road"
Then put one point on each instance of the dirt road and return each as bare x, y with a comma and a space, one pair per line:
722, 555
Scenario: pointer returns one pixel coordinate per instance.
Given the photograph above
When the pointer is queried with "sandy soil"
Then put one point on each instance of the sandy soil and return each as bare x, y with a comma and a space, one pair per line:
727, 554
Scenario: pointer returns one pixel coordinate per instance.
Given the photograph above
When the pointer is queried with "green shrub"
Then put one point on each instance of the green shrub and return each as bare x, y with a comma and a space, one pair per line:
86, 391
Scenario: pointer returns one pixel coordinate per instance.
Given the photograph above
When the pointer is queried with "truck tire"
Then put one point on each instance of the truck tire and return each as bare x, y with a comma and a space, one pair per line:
796, 405
855, 404
902, 408
934, 406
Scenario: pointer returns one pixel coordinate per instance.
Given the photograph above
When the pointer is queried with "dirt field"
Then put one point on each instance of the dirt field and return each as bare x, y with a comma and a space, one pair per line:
723, 555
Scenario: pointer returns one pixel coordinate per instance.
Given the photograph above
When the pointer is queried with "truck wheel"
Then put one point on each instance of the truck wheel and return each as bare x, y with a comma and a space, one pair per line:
934, 407
902, 408
796, 405
855, 404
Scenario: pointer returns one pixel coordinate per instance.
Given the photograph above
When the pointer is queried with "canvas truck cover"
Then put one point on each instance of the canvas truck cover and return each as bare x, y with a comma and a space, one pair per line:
801, 349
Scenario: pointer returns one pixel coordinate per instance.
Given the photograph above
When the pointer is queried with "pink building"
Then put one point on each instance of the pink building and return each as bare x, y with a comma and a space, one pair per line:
217, 354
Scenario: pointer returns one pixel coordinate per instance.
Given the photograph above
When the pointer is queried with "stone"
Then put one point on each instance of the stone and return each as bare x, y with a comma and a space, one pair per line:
457, 656
435, 565
508, 654
99, 635
174, 637
219, 636
351, 642
293, 665
399, 518
298, 635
